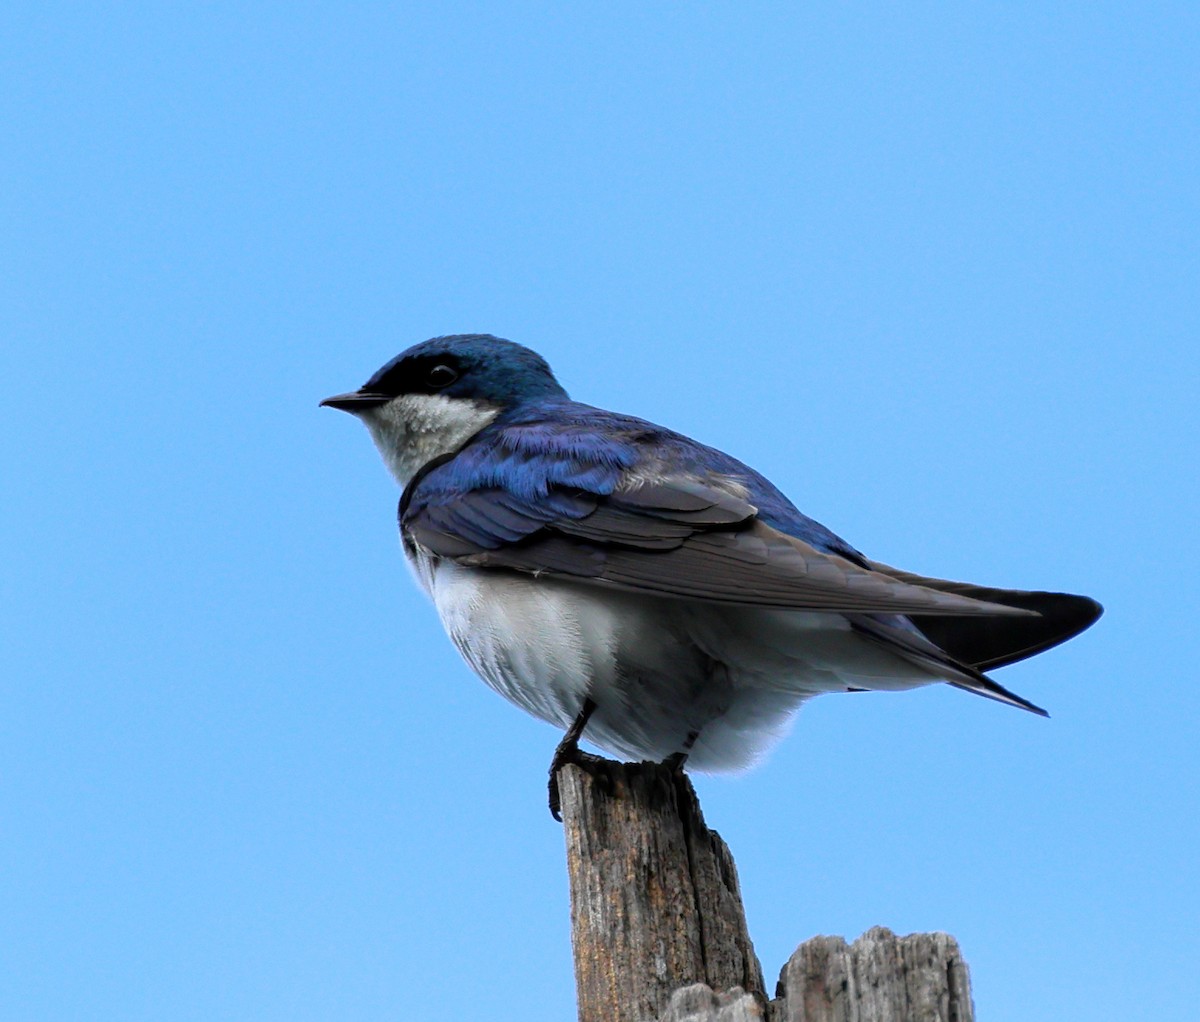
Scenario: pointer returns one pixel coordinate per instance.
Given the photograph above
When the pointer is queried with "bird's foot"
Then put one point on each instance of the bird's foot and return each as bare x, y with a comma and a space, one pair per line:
568, 751
677, 760
577, 757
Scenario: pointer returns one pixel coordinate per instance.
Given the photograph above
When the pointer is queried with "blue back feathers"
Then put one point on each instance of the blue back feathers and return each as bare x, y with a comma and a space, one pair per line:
546, 456
553, 457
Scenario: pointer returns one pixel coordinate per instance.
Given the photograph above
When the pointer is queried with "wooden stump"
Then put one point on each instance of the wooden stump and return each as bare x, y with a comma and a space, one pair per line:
655, 903
878, 978
660, 934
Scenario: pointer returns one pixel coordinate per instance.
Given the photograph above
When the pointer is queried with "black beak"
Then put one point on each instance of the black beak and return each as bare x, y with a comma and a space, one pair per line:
356, 401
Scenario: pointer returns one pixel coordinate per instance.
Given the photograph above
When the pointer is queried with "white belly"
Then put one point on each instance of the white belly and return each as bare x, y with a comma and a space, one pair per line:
658, 669
532, 643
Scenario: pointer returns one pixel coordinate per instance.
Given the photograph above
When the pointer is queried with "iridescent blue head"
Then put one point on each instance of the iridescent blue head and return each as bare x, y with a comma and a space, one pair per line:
432, 398
479, 367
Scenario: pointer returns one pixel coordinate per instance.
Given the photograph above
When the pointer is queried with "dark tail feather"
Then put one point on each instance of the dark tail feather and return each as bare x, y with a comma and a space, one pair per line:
984, 686
986, 643
916, 648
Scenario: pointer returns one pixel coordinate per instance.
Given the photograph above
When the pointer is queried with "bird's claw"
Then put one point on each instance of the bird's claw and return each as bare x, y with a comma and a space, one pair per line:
568, 751
675, 762
562, 757
678, 760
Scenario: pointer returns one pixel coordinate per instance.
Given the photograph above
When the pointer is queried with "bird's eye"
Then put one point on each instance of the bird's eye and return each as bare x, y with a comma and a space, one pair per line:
441, 376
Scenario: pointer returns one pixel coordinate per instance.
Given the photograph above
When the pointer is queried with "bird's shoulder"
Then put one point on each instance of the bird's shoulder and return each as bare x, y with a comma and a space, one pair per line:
561, 459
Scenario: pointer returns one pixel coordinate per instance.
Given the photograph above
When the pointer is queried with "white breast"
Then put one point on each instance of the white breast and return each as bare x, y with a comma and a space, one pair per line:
538, 644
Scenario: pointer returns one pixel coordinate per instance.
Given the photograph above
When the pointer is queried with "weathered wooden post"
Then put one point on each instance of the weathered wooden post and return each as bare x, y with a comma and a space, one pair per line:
659, 931
655, 903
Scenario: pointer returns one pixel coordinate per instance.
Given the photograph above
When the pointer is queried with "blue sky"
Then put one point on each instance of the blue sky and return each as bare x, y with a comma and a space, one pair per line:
931, 268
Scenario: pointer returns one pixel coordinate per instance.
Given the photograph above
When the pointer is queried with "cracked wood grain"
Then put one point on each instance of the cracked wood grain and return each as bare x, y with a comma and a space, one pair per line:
655, 903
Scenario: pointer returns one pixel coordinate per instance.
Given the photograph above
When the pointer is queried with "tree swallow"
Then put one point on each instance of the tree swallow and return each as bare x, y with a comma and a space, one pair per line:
635, 587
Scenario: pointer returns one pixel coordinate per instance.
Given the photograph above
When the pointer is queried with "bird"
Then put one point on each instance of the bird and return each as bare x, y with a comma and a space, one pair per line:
644, 591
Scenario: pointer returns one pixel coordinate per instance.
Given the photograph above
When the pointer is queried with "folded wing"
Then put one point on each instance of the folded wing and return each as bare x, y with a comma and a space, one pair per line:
671, 537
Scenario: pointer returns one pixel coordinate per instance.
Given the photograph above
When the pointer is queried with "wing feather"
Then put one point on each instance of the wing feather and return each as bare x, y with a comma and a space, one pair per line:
758, 566
522, 501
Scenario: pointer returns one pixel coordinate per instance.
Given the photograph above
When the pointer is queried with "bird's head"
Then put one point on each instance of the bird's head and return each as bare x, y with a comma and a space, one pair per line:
432, 398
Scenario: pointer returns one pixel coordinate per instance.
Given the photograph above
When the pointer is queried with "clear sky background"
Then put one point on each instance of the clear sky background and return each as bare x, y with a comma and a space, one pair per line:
932, 268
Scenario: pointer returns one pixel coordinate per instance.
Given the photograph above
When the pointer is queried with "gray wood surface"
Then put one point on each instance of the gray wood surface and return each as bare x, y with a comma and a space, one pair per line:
699, 1003
878, 978
660, 935
655, 903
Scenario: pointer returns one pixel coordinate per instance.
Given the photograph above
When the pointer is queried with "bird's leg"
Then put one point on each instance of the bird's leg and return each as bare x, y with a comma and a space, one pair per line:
568, 752
677, 759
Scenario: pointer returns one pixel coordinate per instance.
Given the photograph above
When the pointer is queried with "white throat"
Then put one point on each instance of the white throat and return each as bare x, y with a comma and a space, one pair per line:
413, 429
